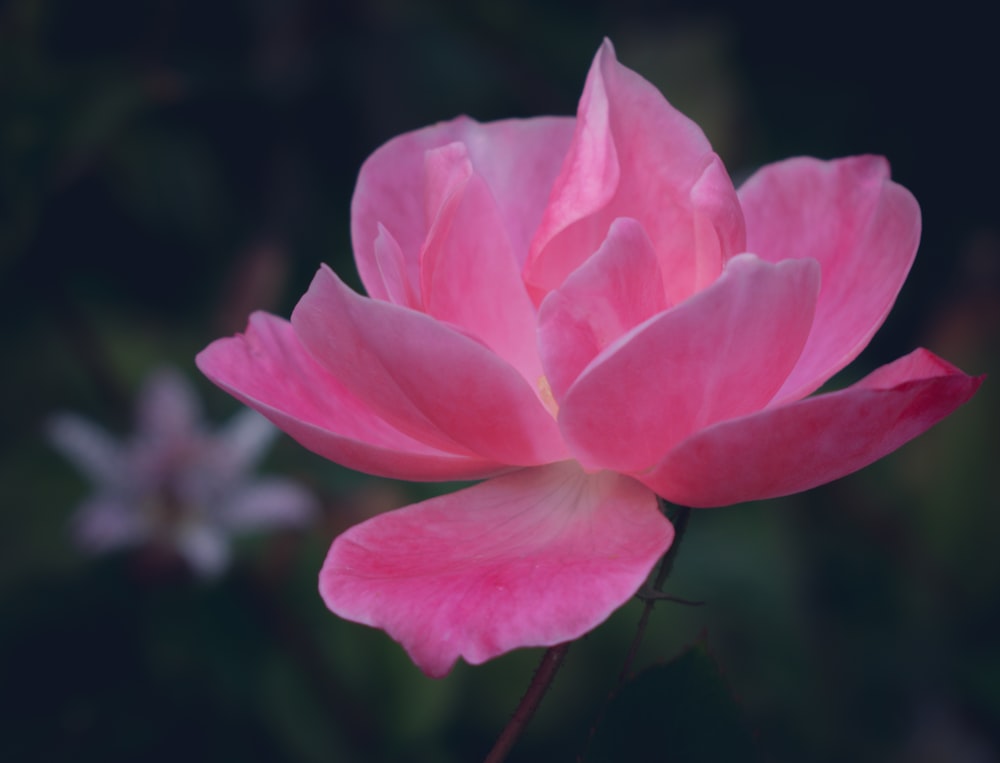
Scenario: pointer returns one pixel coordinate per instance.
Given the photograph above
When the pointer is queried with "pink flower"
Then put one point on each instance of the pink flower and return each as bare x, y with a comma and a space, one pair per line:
174, 484
585, 314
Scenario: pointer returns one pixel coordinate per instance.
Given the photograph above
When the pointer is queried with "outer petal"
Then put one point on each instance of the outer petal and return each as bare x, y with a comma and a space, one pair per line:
861, 227
798, 446
721, 354
469, 275
519, 159
533, 558
268, 369
425, 378
615, 290
634, 155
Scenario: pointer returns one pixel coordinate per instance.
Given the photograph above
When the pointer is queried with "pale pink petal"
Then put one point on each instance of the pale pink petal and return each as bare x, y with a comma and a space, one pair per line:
267, 503
721, 354
518, 159
268, 369
469, 276
447, 170
110, 521
168, 407
861, 227
90, 449
241, 444
803, 444
425, 378
634, 155
392, 269
719, 233
615, 290
533, 558
204, 548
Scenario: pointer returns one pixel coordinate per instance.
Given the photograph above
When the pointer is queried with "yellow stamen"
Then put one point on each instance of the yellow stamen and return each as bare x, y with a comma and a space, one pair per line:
545, 393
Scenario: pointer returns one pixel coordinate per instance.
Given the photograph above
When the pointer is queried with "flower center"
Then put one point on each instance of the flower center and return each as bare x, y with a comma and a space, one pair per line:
545, 393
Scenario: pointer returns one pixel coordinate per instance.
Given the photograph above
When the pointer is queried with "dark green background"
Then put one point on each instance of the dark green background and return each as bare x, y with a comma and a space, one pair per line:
167, 166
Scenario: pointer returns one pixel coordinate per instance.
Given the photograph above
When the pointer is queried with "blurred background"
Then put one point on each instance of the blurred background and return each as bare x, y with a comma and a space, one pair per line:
168, 166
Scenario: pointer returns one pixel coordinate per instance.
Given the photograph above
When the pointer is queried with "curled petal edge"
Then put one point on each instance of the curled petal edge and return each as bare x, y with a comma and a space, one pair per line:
794, 447
268, 369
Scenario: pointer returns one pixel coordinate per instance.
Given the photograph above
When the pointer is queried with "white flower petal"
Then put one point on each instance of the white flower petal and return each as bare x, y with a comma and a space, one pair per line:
167, 407
269, 503
242, 442
205, 548
106, 523
90, 448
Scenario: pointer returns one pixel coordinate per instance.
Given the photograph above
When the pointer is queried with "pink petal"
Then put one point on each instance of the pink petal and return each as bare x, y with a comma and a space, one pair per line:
721, 354
861, 227
615, 290
468, 272
518, 159
634, 155
392, 270
719, 233
268, 369
425, 378
798, 446
533, 558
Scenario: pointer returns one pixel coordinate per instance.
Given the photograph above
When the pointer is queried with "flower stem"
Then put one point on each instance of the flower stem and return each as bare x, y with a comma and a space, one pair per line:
680, 523
653, 593
540, 683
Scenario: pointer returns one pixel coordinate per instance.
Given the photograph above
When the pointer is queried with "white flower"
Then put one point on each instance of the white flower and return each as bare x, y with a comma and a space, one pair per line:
174, 483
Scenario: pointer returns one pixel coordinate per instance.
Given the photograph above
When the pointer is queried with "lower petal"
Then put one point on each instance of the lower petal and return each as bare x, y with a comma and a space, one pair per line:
795, 447
533, 558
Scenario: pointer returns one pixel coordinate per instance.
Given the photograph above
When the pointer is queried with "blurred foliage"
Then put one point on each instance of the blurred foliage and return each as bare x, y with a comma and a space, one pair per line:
167, 167
680, 711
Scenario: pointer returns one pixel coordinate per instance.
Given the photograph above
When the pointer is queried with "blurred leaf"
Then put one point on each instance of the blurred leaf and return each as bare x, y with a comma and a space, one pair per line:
682, 712
309, 732
170, 181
